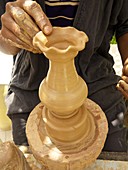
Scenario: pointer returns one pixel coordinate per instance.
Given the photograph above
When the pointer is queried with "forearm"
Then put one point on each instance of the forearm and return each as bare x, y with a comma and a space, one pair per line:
123, 48
6, 47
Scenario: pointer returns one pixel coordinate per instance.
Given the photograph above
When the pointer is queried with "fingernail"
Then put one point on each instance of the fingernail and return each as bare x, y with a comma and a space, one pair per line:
47, 30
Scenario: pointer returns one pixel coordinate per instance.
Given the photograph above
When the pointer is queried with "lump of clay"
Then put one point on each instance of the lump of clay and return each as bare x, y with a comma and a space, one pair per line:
11, 158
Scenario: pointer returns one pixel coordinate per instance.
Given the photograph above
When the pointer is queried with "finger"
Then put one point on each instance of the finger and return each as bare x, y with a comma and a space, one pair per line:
125, 70
125, 78
15, 29
28, 28
24, 21
33, 50
35, 11
125, 94
124, 85
17, 3
13, 20
14, 41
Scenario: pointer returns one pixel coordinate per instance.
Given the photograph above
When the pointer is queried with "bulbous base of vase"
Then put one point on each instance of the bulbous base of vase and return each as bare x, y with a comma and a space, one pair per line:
52, 156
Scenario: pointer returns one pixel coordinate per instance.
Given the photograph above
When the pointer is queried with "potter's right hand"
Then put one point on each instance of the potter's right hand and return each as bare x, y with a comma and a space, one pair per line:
21, 21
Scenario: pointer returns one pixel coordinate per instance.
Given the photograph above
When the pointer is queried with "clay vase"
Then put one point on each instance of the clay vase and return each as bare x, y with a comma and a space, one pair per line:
69, 129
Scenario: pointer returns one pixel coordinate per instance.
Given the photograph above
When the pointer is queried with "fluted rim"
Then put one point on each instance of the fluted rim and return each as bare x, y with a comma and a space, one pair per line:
47, 43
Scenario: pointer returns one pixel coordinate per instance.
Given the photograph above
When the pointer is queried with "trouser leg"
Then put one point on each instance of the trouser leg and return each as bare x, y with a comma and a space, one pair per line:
19, 121
117, 141
114, 106
117, 138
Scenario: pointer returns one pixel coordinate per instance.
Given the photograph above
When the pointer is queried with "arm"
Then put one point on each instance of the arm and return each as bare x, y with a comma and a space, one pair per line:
20, 22
123, 49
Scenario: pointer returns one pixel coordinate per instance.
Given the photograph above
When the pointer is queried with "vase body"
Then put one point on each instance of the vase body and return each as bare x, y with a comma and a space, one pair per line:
63, 91
70, 128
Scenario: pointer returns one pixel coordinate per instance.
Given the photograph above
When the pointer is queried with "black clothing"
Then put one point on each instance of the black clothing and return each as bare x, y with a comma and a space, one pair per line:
99, 19
19, 127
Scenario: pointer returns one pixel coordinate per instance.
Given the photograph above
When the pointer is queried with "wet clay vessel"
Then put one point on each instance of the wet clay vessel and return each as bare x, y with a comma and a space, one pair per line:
66, 131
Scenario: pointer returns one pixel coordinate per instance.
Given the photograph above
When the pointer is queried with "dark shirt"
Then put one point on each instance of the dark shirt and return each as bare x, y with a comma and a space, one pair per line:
99, 19
61, 12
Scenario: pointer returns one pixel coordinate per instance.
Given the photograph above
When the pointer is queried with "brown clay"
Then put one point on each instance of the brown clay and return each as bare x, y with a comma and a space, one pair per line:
11, 158
66, 131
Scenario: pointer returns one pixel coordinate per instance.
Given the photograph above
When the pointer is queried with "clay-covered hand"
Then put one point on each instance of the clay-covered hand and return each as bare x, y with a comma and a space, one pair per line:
21, 21
123, 84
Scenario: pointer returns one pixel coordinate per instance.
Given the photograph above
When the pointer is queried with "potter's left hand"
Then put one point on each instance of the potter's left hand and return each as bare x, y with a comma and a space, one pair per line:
123, 84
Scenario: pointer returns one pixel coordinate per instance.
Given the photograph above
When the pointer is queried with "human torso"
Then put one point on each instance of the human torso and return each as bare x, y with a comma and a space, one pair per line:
93, 64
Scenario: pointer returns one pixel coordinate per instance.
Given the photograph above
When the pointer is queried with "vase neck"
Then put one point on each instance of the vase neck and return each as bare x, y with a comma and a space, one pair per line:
62, 76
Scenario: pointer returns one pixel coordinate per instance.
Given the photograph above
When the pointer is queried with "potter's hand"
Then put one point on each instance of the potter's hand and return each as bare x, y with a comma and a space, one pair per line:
123, 84
21, 21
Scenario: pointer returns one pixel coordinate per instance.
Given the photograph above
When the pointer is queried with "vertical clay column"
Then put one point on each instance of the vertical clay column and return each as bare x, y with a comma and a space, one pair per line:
67, 126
